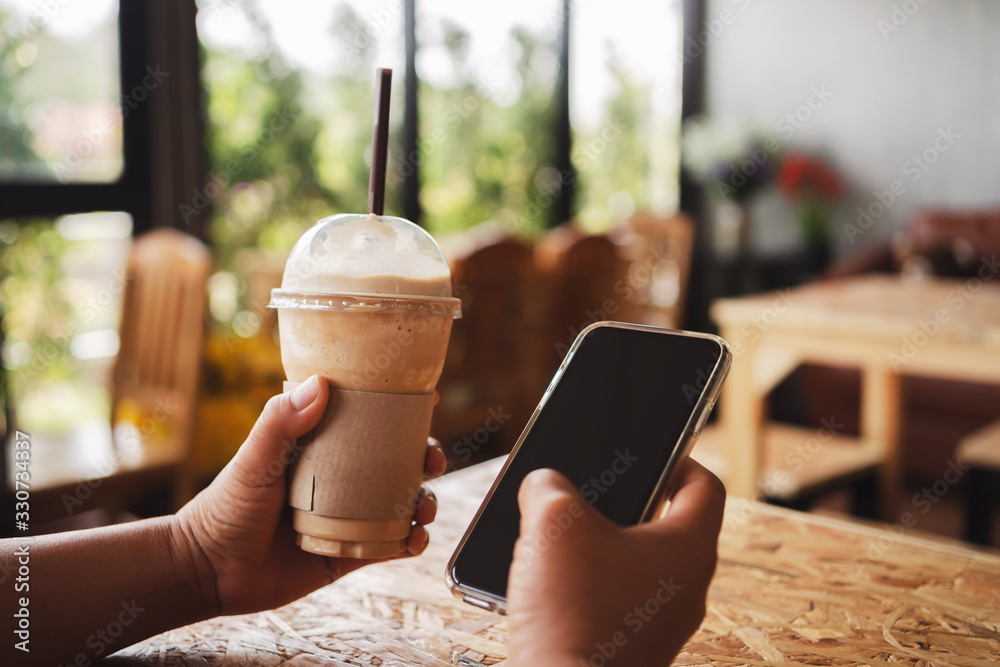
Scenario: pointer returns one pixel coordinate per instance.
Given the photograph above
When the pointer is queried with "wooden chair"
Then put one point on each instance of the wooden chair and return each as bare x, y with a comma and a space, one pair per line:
484, 372
583, 281
155, 379
262, 270
658, 251
981, 451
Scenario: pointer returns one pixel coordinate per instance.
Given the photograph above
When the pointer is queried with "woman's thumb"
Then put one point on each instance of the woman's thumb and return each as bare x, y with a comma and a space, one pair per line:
546, 496
262, 459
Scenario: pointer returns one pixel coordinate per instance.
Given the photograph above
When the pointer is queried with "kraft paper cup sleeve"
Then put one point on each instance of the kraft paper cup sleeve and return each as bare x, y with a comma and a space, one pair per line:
365, 459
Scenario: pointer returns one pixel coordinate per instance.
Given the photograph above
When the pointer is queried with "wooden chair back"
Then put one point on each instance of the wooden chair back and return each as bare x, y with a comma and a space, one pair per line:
583, 278
486, 362
155, 379
659, 256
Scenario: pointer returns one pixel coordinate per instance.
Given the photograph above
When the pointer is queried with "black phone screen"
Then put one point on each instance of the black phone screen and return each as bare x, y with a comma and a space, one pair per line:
609, 425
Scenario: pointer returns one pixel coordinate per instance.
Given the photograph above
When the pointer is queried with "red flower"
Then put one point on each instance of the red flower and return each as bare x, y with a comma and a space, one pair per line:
802, 175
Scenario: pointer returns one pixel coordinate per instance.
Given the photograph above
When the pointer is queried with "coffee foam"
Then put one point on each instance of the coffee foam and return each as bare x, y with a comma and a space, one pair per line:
369, 255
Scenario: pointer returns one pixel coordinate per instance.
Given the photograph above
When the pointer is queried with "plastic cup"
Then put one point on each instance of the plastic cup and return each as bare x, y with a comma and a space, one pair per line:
366, 303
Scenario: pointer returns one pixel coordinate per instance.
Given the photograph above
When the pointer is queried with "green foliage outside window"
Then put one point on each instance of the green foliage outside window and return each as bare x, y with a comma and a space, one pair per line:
15, 152
478, 161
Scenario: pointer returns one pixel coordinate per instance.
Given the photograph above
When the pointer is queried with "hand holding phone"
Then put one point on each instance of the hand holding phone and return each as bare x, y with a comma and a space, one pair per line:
588, 592
617, 420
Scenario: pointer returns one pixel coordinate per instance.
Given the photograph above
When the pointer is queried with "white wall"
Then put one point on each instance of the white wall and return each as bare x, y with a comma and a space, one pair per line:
890, 95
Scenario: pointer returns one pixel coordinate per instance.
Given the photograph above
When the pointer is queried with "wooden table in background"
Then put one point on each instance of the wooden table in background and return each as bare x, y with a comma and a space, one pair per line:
883, 325
790, 588
82, 470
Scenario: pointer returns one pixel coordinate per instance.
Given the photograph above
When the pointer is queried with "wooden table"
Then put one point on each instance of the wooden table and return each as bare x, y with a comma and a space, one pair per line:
82, 470
791, 588
886, 326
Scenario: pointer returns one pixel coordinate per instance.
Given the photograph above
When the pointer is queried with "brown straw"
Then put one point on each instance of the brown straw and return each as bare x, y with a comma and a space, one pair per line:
380, 142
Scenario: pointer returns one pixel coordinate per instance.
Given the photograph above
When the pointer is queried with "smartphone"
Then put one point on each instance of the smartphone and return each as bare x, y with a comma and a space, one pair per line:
618, 418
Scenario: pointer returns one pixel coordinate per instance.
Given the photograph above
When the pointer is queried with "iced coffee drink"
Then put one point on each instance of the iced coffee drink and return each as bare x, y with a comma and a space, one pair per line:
365, 302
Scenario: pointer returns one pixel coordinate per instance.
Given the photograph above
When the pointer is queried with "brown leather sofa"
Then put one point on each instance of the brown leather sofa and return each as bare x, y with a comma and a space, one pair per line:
936, 412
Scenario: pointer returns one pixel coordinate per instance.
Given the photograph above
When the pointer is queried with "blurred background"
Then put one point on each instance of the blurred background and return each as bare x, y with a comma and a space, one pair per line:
649, 161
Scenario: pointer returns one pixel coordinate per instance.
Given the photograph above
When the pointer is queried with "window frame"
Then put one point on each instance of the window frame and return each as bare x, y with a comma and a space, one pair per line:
131, 192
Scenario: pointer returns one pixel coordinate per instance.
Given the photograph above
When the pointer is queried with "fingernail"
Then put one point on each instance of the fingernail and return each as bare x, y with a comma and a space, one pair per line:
425, 496
304, 395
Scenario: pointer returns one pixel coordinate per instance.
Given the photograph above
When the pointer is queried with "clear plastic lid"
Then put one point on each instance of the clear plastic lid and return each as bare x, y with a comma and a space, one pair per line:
366, 262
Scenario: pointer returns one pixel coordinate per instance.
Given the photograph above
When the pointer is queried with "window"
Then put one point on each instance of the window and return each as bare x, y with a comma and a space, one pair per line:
486, 143
486, 112
61, 92
289, 88
625, 108
71, 141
